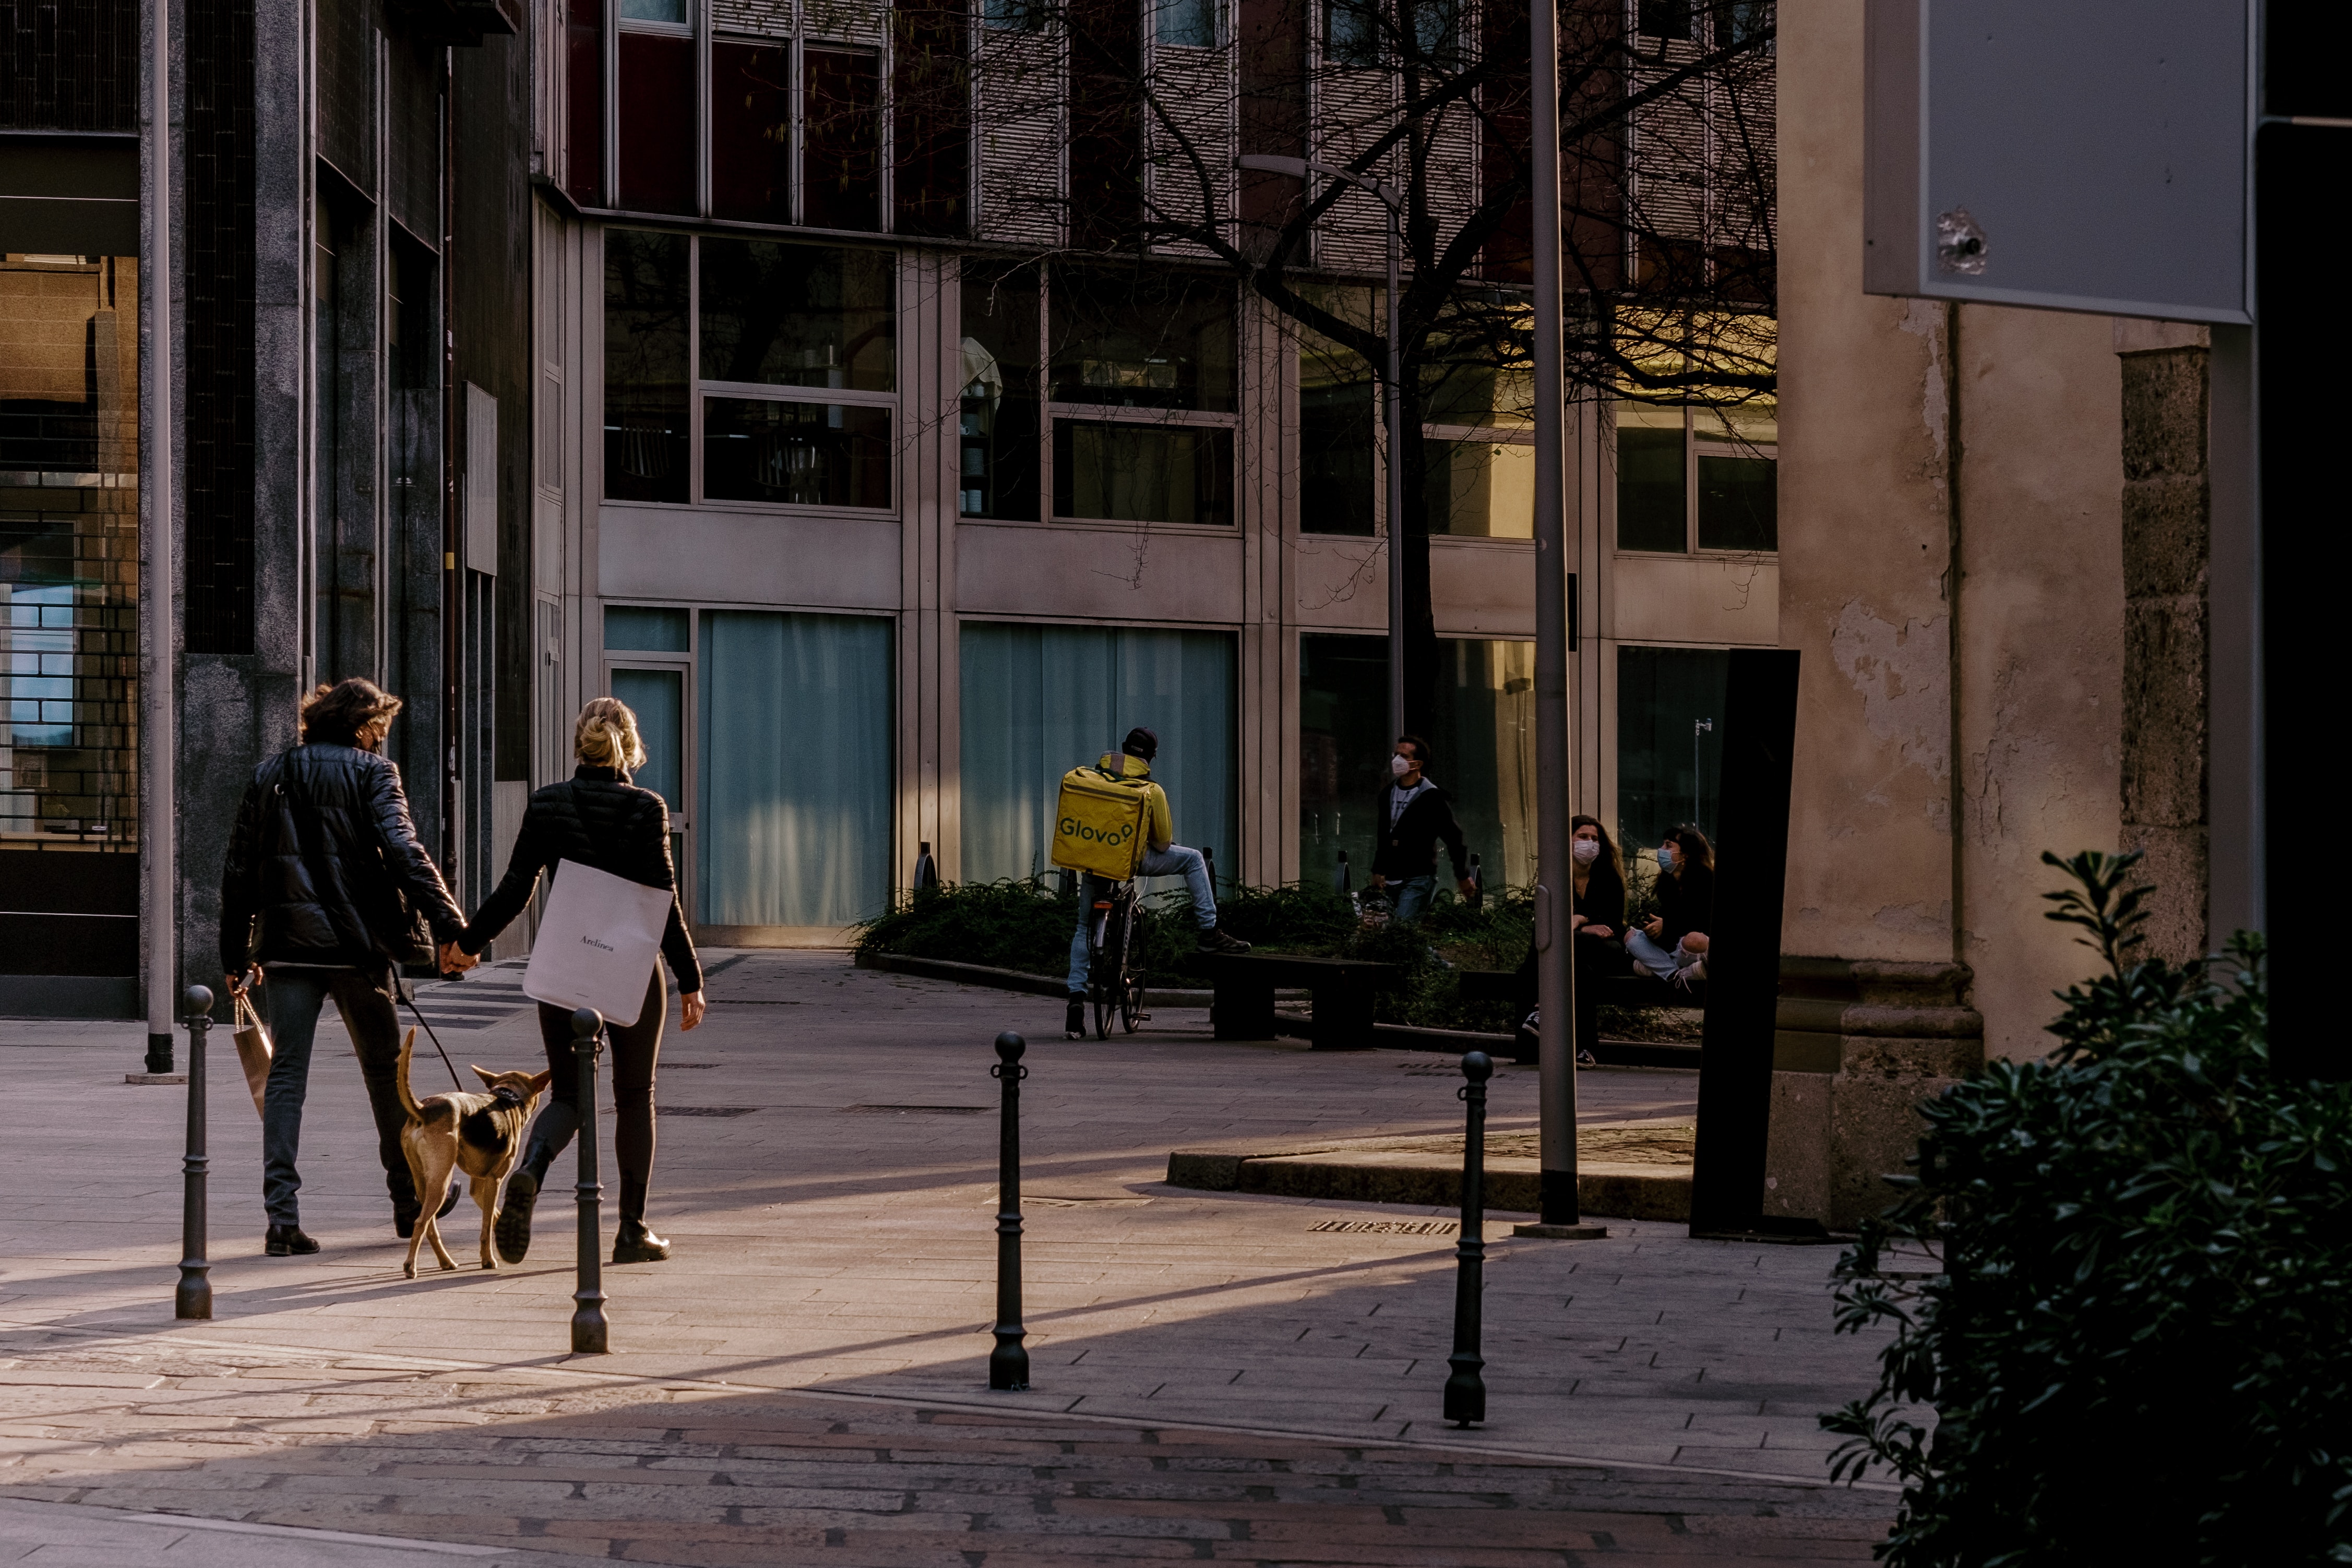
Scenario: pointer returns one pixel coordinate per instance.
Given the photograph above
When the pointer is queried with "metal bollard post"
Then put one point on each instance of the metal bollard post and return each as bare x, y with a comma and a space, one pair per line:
1466, 1390
1008, 1363
193, 1299
588, 1325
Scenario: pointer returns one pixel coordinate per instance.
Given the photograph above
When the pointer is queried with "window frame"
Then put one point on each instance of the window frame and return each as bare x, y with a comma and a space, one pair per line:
699, 388
1696, 442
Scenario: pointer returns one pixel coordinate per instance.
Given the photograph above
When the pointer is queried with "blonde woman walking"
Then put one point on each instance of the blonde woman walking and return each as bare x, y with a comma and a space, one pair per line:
596, 818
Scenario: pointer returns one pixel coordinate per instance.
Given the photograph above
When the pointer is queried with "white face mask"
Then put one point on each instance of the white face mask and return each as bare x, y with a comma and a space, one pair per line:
1586, 850
1399, 765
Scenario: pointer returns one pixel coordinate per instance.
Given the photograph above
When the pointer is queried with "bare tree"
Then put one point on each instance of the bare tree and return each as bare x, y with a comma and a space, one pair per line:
1104, 129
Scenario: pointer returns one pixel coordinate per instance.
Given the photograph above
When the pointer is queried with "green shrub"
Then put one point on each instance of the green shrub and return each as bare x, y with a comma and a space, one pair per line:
1019, 923
2138, 1348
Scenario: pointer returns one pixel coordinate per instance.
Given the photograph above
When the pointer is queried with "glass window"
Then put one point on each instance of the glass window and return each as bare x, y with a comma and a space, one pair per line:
1014, 16
1186, 23
1738, 503
646, 366
1480, 489
841, 139
656, 136
1663, 18
1436, 26
1471, 371
750, 131
798, 315
1343, 751
1143, 473
1669, 757
803, 453
1351, 32
1138, 339
671, 11
998, 431
1339, 411
1745, 21
643, 629
1040, 700
796, 792
659, 699
1653, 508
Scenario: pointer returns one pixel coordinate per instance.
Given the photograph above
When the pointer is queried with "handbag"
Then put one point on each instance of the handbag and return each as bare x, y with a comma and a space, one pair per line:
252, 1039
597, 943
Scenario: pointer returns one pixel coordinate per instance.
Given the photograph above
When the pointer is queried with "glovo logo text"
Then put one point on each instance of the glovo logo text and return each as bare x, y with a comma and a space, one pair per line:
1071, 828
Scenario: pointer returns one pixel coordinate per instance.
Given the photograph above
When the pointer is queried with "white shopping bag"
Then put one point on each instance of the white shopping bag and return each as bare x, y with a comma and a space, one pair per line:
596, 942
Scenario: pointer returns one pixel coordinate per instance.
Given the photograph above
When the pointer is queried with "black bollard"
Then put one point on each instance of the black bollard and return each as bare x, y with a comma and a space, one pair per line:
1008, 1363
193, 1299
588, 1326
1466, 1390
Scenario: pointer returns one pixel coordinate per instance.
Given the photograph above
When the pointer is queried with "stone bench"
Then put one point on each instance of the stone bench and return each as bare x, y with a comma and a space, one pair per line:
1339, 997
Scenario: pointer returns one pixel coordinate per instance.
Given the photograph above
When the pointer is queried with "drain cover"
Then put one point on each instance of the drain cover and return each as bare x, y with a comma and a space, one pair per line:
706, 1110
1387, 1227
913, 1110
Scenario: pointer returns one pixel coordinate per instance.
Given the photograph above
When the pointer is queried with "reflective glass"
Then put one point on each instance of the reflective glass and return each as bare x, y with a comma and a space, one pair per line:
801, 453
799, 315
1137, 338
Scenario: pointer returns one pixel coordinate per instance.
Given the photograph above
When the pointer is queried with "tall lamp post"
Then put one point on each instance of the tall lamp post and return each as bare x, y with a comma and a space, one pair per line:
157, 824
1391, 198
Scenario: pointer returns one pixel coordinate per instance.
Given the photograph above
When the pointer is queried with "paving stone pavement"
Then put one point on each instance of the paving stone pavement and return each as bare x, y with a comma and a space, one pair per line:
1214, 1377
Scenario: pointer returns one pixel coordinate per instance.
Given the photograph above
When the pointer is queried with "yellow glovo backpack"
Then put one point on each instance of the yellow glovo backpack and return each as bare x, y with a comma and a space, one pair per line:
1098, 824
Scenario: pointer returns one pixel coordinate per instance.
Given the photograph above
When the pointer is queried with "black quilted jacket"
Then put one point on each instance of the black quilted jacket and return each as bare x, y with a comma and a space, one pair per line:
597, 818
363, 851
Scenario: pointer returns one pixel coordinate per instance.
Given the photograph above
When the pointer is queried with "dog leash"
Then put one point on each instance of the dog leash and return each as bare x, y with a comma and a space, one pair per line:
407, 995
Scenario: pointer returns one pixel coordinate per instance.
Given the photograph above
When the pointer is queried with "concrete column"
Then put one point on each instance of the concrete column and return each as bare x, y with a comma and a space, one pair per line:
929, 657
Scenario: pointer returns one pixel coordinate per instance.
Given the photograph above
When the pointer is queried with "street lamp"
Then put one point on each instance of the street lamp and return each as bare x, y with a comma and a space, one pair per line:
1391, 198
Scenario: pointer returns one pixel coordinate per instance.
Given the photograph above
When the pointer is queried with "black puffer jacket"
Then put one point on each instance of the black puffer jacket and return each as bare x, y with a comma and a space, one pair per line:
364, 852
597, 818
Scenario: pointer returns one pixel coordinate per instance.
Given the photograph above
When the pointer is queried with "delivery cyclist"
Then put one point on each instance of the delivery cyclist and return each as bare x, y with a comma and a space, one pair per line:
1131, 767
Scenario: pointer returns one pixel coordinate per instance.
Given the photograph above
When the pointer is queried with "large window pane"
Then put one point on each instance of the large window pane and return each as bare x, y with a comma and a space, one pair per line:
1738, 503
1136, 337
799, 315
1343, 751
806, 454
659, 699
1474, 370
1351, 32
998, 414
1040, 700
645, 366
1667, 759
1652, 511
1187, 23
797, 788
657, 119
841, 140
750, 131
1481, 489
1338, 410
1143, 473
644, 629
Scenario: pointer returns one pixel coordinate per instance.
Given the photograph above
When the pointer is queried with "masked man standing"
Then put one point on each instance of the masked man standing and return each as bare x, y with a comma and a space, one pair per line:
1412, 816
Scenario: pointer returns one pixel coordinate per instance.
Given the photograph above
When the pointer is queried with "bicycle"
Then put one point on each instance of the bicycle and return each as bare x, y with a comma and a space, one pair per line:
1113, 979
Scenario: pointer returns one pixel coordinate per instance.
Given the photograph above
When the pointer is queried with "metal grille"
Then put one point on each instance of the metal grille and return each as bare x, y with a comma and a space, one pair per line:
69, 65
219, 36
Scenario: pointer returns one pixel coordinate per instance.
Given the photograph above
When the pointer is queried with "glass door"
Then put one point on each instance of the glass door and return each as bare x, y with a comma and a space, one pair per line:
658, 695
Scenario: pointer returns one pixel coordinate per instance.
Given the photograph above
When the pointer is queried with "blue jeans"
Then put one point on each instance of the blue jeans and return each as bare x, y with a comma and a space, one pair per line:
1410, 898
1173, 861
290, 1001
1653, 957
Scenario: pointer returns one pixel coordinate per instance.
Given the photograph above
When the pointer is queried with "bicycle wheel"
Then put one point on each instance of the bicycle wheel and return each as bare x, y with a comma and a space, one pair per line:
1131, 978
1103, 975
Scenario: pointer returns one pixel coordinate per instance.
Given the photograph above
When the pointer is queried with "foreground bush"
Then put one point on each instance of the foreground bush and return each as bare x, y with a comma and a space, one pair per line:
2139, 1347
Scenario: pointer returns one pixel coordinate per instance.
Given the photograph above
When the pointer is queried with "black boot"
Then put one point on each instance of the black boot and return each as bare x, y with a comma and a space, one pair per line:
512, 1232
287, 1241
1073, 1022
635, 1243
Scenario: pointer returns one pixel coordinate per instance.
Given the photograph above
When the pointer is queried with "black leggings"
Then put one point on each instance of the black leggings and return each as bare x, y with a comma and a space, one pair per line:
636, 1048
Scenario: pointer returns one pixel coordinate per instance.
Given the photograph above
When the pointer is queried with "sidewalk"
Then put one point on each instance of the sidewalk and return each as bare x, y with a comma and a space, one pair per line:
826, 1171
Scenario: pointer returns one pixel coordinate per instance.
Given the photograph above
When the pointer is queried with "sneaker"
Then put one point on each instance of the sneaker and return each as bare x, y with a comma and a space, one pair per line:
287, 1241
635, 1244
512, 1230
1215, 940
1694, 970
1586, 1059
1074, 1021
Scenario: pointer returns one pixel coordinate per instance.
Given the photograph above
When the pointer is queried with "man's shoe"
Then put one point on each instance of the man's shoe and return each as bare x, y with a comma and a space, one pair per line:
1074, 1021
635, 1244
512, 1232
1214, 940
287, 1241
403, 1215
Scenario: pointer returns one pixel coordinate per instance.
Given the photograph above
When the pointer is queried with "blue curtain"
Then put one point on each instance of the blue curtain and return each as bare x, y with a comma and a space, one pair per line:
1040, 700
797, 788
653, 696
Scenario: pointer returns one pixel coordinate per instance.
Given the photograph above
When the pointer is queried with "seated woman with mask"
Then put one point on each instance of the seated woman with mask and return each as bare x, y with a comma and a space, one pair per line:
1673, 945
1598, 922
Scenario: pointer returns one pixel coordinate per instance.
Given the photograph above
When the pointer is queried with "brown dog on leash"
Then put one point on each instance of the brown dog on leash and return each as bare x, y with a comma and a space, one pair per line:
481, 1135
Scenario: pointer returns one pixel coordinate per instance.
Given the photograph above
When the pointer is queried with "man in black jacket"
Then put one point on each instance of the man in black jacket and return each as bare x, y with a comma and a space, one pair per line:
1412, 817
325, 862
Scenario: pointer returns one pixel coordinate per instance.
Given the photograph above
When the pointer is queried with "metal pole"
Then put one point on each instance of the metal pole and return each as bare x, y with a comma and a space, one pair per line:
1008, 1363
193, 1299
1555, 966
157, 820
1698, 727
589, 1330
1396, 494
1466, 1390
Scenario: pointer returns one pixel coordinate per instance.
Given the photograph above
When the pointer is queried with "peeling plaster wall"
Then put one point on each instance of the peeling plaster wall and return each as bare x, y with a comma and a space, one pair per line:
1865, 538
2040, 632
